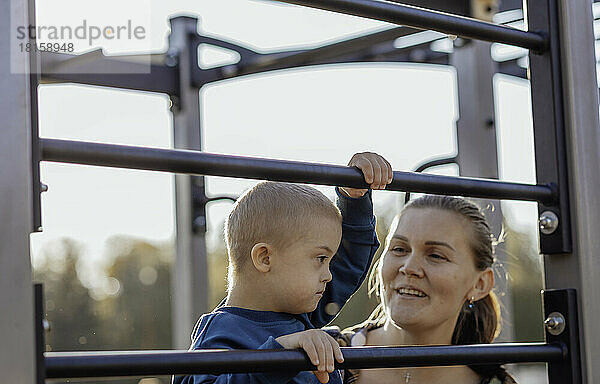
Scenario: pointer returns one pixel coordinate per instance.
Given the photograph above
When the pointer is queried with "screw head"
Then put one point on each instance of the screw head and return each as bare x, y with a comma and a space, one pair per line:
199, 224
46, 325
555, 323
171, 58
548, 222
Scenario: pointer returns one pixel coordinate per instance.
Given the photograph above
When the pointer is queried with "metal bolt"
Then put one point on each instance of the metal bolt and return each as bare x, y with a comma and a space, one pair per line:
555, 323
172, 58
199, 224
548, 222
46, 325
43, 187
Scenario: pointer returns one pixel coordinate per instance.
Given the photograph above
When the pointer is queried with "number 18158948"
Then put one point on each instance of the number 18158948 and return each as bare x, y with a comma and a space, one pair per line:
47, 47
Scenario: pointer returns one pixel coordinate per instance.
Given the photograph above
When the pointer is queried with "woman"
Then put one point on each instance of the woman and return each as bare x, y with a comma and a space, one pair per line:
434, 281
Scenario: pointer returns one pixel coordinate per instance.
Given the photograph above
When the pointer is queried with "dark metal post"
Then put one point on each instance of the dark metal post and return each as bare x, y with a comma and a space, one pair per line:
549, 128
190, 276
565, 97
562, 327
40, 340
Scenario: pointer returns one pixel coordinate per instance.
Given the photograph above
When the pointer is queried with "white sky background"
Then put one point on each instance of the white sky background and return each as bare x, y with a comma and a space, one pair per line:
404, 112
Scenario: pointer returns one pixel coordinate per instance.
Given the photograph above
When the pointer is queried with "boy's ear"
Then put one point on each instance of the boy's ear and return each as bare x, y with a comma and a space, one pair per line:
483, 285
261, 256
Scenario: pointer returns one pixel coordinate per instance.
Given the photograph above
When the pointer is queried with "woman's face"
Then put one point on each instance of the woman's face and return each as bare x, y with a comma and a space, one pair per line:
428, 269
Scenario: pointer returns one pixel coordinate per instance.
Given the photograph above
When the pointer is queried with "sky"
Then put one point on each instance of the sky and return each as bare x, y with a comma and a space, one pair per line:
404, 112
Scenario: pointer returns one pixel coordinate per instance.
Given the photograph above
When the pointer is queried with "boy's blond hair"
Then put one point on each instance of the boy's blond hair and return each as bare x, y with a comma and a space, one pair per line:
275, 213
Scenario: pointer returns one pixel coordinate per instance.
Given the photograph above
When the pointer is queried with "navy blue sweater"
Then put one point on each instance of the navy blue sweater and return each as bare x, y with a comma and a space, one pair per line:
239, 328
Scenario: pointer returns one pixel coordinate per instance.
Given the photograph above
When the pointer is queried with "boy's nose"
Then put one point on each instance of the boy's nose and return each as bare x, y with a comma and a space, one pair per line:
327, 276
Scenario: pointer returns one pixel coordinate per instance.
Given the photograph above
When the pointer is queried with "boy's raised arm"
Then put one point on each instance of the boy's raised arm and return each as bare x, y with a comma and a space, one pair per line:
359, 242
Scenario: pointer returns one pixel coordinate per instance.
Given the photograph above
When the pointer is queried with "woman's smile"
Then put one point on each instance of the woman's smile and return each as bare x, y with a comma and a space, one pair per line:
410, 293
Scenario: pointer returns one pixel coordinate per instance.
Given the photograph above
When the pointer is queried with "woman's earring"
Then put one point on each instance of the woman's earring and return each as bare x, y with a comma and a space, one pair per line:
471, 303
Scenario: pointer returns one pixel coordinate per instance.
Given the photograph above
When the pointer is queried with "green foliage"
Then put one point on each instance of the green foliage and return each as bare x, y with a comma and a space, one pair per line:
129, 309
72, 315
142, 307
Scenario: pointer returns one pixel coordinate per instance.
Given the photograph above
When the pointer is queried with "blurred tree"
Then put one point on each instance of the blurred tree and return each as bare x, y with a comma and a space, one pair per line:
72, 315
128, 307
137, 313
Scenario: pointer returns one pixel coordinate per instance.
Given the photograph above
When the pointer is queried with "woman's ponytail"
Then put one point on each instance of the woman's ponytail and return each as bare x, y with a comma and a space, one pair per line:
479, 324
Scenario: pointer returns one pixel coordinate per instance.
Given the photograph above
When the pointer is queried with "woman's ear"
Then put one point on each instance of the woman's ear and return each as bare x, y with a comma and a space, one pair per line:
261, 256
483, 285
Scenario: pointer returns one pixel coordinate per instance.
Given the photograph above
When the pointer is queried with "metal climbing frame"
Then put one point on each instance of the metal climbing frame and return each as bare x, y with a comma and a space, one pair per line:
567, 146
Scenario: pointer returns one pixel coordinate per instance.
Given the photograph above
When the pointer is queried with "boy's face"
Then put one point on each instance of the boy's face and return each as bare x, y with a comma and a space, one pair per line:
300, 271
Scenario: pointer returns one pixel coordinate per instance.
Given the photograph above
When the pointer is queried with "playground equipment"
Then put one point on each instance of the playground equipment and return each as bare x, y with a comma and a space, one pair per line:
564, 93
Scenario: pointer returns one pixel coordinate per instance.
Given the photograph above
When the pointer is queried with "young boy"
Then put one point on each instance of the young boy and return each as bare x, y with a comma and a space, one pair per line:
281, 239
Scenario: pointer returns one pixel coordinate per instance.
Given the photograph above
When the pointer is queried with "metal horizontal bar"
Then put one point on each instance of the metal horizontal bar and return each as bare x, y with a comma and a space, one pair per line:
455, 7
128, 363
149, 73
202, 163
331, 52
421, 18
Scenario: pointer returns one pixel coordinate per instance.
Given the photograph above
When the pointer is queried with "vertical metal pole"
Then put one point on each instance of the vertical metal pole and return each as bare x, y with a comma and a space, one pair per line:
580, 104
190, 277
17, 330
476, 136
36, 155
475, 128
